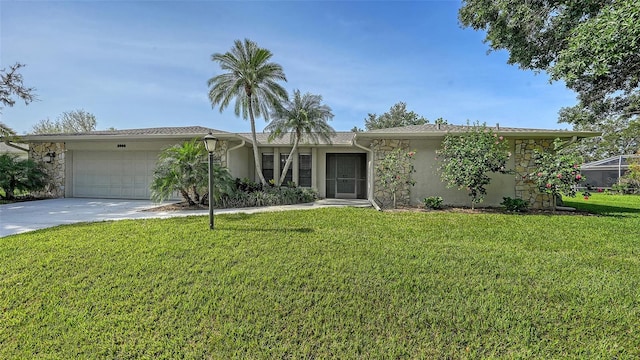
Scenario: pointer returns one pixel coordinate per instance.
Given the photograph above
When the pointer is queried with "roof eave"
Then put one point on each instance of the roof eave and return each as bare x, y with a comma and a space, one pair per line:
510, 134
146, 137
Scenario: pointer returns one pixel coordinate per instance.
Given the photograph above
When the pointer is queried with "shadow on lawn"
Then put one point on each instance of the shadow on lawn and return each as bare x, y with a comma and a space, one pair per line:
301, 230
237, 216
605, 210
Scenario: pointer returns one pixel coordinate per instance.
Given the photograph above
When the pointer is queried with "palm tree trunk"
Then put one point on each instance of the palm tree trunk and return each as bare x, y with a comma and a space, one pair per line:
289, 160
256, 159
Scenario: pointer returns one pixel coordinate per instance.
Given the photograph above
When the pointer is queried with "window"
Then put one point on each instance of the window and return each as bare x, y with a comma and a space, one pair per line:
289, 176
267, 166
304, 170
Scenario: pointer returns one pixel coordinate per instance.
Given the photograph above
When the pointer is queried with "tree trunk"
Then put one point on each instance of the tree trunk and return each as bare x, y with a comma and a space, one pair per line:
185, 195
256, 154
289, 160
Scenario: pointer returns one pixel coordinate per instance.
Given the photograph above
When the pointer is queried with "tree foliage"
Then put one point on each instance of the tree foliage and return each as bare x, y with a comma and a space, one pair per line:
620, 134
303, 117
467, 159
75, 121
6, 130
397, 116
590, 44
183, 168
252, 80
11, 84
18, 174
394, 171
557, 171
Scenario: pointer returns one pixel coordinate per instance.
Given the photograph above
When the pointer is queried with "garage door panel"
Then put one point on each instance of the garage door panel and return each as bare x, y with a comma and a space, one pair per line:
113, 174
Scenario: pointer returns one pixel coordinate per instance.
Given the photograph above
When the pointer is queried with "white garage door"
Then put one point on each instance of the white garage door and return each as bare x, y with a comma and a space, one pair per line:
113, 174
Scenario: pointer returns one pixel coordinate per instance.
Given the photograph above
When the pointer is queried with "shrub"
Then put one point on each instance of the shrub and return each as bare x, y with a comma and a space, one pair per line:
514, 205
394, 171
269, 196
433, 202
632, 178
20, 175
557, 172
467, 159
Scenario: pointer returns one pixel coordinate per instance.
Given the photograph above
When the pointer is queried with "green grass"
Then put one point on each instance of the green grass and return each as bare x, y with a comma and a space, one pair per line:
328, 283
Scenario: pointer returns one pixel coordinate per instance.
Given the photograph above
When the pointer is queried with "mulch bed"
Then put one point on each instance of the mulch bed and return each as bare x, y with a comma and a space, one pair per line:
448, 209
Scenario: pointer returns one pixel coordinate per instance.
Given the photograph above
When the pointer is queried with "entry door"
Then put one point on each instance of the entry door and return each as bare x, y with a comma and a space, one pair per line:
346, 176
346, 168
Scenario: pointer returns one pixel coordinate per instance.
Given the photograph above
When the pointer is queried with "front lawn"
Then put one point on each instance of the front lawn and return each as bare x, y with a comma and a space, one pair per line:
328, 283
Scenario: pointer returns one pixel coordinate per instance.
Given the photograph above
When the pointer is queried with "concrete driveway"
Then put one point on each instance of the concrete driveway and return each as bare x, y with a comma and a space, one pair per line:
33, 215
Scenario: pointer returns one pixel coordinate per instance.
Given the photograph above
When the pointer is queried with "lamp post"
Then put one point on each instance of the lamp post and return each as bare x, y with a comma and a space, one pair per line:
210, 145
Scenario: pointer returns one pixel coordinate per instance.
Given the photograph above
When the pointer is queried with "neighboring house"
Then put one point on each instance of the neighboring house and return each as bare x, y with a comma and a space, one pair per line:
606, 172
119, 164
23, 152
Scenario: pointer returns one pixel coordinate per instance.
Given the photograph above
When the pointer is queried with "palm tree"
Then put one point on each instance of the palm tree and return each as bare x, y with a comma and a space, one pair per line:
183, 168
302, 117
250, 79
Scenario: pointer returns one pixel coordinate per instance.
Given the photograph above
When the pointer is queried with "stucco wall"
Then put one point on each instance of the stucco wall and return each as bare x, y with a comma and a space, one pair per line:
429, 182
238, 162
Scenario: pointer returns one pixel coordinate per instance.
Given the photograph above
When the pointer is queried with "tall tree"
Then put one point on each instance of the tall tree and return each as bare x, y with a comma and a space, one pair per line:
396, 116
11, 84
590, 44
75, 121
303, 117
252, 80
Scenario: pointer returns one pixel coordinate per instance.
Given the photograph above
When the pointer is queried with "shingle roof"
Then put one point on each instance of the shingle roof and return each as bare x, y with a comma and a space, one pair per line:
435, 130
451, 128
179, 130
342, 138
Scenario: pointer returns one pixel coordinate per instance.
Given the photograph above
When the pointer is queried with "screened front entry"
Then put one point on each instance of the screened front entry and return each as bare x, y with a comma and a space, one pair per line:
347, 176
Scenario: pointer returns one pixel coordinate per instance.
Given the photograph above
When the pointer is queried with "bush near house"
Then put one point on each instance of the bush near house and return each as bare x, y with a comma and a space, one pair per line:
248, 193
20, 175
433, 202
467, 159
630, 182
557, 172
183, 168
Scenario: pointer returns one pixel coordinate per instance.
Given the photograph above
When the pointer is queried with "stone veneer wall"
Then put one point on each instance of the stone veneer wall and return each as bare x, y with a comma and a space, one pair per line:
380, 150
55, 169
526, 189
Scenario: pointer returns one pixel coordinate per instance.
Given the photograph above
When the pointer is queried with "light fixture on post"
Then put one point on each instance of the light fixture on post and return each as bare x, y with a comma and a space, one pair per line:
48, 157
210, 144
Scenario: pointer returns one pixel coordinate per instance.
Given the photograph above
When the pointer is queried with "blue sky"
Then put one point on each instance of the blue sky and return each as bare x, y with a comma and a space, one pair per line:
146, 63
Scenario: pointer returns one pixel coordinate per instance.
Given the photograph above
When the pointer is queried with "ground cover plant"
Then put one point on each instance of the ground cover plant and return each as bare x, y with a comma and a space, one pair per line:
329, 283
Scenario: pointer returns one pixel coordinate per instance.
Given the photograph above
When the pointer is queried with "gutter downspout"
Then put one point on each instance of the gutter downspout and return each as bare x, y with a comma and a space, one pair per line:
369, 170
234, 148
